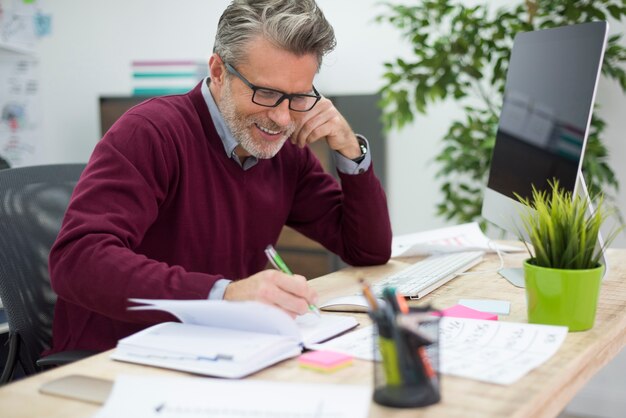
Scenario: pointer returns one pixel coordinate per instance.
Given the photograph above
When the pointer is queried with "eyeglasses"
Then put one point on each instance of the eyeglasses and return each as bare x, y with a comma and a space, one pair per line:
264, 96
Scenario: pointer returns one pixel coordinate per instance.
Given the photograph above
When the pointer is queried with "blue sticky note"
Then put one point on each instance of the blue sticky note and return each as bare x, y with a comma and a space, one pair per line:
501, 307
43, 24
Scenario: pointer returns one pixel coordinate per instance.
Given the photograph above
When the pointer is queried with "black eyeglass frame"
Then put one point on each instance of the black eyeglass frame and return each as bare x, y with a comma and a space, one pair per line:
283, 96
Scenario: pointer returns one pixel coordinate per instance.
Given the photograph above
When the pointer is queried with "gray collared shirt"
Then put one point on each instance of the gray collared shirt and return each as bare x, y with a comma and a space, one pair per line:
343, 164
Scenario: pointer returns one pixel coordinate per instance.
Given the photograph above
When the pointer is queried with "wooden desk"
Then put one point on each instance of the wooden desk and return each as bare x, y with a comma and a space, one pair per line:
542, 393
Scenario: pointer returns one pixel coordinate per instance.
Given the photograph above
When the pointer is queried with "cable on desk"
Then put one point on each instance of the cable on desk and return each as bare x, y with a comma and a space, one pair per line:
493, 246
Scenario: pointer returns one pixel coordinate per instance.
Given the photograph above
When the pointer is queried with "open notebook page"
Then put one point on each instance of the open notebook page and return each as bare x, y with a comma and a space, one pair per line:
252, 316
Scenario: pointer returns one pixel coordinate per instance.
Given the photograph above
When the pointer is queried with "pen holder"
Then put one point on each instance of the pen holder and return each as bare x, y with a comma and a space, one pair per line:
406, 373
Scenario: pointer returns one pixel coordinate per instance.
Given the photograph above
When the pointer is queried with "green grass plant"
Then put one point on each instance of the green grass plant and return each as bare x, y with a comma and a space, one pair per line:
563, 232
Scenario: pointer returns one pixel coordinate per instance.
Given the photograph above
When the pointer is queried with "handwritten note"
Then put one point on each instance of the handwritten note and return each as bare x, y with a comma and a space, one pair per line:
490, 351
495, 351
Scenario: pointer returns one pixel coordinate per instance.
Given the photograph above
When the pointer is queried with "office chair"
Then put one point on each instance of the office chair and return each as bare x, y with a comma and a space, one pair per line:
33, 201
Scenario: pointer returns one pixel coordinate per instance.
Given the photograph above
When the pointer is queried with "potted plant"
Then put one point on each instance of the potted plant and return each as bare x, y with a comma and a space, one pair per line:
563, 273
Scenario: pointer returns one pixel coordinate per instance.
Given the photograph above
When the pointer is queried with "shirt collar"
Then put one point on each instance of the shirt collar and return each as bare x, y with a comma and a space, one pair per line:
228, 140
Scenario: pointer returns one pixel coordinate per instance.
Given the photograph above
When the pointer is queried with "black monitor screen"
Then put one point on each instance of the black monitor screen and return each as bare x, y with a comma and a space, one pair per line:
548, 98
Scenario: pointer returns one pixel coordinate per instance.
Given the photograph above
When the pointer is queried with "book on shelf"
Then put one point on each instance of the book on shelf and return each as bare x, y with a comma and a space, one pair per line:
155, 78
224, 338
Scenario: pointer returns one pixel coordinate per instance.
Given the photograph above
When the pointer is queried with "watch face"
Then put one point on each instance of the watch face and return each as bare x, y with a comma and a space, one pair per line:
363, 152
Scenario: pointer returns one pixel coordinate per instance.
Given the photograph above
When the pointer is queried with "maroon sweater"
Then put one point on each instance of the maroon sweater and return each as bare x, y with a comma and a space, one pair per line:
161, 212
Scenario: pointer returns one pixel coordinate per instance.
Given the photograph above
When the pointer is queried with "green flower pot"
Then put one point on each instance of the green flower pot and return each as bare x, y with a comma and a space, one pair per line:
562, 297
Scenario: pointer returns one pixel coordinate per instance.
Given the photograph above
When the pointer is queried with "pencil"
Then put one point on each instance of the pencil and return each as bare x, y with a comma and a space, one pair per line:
279, 264
367, 292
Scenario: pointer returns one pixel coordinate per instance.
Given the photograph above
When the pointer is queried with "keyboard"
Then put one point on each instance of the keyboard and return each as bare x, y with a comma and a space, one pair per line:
424, 276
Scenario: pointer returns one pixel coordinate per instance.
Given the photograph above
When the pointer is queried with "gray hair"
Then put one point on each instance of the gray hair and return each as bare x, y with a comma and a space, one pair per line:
297, 26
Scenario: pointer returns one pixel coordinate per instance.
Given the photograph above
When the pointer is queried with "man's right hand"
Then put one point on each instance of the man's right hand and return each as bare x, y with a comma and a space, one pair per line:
292, 294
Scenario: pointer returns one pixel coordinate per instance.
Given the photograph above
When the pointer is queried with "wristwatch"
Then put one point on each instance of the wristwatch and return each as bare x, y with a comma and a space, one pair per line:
363, 147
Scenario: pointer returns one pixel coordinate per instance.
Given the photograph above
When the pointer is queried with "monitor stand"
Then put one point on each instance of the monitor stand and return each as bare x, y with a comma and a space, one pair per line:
515, 275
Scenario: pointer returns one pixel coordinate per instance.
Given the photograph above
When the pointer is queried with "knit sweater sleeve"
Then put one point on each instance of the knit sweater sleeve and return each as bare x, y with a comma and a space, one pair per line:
97, 262
350, 219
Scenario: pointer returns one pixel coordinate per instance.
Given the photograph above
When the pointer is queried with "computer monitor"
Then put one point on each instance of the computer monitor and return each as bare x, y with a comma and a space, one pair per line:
548, 100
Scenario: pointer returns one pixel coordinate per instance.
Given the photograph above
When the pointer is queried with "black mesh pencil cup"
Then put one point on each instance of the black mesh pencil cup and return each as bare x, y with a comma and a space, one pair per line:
407, 345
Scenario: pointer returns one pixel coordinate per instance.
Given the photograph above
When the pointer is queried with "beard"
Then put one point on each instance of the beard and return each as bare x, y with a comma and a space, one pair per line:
241, 126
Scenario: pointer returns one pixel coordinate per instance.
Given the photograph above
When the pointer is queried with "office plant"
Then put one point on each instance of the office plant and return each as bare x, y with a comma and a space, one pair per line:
562, 231
564, 271
462, 53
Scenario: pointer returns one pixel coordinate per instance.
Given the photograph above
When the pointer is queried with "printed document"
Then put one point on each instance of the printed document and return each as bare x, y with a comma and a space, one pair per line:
159, 397
495, 351
465, 237
491, 351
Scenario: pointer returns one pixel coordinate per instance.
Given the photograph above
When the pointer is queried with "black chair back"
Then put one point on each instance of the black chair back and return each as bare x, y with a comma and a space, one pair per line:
33, 201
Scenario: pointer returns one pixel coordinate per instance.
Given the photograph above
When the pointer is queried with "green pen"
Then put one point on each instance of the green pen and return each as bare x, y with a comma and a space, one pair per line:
279, 264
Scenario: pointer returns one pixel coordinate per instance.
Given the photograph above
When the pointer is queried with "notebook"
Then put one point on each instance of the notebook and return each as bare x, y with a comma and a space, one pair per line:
225, 338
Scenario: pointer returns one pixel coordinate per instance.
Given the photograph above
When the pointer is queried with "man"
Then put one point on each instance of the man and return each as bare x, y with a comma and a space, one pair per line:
183, 193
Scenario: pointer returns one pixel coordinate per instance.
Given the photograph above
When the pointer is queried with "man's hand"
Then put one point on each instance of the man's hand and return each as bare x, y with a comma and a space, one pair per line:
325, 121
292, 294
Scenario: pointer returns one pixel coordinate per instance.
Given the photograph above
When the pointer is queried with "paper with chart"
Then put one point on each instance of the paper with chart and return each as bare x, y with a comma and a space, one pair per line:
22, 24
154, 397
465, 237
491, 351
495, 351
20, 110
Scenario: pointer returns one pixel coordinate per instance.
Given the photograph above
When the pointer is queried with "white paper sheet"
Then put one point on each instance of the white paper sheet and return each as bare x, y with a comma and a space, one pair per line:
242, 316
251, 316
495, 351
490, 351
165, 397
357, 344
465, 237
21, 117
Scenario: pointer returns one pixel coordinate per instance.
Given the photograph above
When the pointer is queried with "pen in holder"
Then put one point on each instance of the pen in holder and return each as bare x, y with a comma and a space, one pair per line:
407, 344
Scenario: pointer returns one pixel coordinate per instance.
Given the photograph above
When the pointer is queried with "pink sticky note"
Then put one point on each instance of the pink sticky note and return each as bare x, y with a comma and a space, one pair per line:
460, 311
324, 359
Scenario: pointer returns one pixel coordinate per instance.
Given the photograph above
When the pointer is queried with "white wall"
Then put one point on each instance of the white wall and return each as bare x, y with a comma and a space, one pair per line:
93, 43
90, 51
